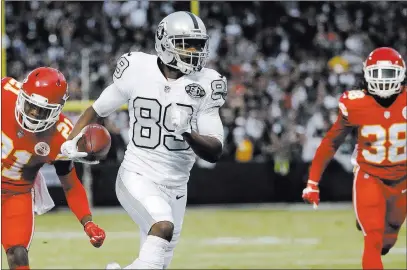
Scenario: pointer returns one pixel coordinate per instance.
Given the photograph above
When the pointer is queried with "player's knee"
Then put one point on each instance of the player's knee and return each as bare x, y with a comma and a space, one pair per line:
374, 240
163, 229
394, 228
389, 240
17, 256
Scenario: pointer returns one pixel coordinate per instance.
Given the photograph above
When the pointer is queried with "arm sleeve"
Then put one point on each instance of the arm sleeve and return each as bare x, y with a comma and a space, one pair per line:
329, 145
111, 99
63, 167
209, 123
75, 195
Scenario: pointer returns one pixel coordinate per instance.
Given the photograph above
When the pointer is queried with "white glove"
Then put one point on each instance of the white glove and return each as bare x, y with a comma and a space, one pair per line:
181, 120
69, 149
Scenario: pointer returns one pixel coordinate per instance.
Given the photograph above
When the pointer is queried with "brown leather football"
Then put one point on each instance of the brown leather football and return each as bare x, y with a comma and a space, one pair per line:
96, 141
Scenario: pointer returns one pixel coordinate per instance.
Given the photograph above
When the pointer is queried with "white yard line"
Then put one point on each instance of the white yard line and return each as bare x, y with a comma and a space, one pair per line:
261, 240
398, 250
249, 206
326, 255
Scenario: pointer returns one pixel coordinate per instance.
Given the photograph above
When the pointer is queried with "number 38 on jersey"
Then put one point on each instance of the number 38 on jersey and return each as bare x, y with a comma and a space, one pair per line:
389, 144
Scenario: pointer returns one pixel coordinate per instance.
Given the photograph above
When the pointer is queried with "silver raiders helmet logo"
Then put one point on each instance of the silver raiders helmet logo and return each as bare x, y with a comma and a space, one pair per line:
195, 90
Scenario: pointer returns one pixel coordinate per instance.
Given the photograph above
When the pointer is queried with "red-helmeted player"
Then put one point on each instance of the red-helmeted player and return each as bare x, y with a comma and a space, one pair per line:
33, 129
379, 188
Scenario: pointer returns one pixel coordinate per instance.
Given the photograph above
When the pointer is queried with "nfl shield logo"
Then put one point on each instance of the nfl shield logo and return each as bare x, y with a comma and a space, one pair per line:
42, 149
20, 133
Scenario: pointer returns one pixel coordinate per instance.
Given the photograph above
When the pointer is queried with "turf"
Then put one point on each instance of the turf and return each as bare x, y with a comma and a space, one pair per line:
216, 238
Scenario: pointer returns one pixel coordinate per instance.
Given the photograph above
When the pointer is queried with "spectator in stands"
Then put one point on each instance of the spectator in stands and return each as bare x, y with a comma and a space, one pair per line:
286, 62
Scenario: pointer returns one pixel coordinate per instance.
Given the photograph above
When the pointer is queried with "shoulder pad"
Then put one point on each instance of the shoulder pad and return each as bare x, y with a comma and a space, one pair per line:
10, 84
125, 61
218, 84
129, 65
348, 99
64, 126
215, 85
354, 94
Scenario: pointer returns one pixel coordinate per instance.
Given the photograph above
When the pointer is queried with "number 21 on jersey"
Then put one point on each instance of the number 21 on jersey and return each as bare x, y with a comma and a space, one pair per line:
21, 158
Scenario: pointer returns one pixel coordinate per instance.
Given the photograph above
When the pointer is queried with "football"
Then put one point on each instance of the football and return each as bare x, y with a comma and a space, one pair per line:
96, 141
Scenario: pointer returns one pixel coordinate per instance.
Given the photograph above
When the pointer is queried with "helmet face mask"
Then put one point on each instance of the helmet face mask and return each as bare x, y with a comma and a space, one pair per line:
41, 99
35, 116
384, 72
182, 42
191, 53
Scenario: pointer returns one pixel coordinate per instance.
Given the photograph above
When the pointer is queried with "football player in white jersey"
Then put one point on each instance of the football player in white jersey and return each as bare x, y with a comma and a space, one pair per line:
173, 103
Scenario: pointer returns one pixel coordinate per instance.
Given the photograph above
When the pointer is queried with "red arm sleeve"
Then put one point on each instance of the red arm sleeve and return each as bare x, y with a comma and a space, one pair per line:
75, 194
328, 147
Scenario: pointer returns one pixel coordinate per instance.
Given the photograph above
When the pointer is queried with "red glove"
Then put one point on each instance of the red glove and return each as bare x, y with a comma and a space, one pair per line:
311, 193
96, 234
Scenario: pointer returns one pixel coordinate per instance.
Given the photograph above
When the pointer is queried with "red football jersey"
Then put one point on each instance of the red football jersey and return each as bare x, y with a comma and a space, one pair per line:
381, 145
23, 153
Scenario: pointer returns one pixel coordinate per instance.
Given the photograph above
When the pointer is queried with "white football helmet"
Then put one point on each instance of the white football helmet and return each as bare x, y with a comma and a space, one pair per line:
181, 42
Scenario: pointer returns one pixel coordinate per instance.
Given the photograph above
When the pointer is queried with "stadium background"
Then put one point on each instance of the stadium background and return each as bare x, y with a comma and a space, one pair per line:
286, 63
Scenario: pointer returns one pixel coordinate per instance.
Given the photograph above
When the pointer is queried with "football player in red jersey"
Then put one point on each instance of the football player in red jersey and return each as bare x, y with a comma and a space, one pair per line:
379, 189
33, 129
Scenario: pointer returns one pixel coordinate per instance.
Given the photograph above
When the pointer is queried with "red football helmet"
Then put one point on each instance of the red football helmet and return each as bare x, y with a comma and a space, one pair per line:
40, 99
384, 71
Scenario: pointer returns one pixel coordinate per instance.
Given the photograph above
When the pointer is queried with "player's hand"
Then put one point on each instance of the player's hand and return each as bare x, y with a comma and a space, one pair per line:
311, 193
69, 149
97, 235
181, 120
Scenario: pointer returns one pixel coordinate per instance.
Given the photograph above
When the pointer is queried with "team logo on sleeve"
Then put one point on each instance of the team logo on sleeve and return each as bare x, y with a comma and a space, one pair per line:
195, 90
404, 112
42, 149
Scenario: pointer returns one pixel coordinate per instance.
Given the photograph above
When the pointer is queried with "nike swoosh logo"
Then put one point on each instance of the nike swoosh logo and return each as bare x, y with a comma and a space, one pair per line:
179, 197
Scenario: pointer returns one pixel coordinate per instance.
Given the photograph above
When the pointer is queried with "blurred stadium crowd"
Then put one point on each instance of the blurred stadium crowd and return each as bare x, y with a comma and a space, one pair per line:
286, 62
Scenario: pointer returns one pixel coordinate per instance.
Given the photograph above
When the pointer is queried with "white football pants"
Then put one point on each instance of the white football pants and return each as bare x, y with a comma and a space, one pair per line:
148, 203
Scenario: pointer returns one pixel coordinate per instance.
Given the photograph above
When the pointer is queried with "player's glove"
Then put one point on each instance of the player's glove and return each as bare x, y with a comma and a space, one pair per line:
69, 149
97, 235
311, 193
181, 120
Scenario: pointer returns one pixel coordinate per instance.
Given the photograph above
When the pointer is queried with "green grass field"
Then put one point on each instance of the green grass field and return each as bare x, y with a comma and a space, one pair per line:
243, 238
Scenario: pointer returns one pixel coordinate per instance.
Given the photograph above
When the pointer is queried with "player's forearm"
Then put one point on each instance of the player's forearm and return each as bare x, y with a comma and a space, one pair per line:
327, 149
88, 117
323, 156
205, 147
76, 196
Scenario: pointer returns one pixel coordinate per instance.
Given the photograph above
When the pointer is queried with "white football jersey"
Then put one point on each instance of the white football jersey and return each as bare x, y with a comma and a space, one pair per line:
153, 150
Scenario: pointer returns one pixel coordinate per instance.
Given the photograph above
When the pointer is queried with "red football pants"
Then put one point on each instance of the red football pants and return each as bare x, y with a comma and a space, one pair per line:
17, 220
380, 210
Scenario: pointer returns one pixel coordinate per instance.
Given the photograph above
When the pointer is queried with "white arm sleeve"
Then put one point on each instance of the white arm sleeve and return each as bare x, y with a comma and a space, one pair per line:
209, 124
109, 101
